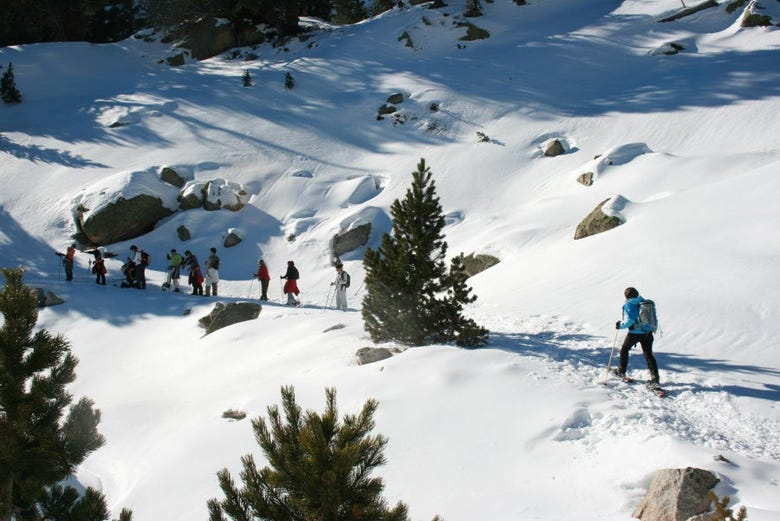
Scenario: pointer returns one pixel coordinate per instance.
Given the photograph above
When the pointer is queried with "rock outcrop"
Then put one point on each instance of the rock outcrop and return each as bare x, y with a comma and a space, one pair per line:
224, 315
677, 495
596, 222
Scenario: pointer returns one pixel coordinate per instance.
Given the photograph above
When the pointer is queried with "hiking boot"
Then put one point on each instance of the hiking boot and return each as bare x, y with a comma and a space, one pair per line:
620, 373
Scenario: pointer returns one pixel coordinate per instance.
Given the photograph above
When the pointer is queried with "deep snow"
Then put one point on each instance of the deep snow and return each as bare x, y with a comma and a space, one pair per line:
687, 147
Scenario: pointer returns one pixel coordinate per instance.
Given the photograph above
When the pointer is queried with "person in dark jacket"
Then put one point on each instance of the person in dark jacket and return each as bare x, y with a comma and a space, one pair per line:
635, 335
291, 286
67, 261
196, 278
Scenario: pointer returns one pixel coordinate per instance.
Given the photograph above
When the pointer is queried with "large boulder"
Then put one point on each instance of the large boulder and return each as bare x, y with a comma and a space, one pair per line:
677, 495
123, 219
368, 355
596, 222
350, 239
554, 148
232, 239
227, 314
477, 262
211, 36
122, 206
172, 177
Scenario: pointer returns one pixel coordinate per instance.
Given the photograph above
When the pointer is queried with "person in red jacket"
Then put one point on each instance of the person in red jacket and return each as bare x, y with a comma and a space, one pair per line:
264, 277
99, 269
291, 286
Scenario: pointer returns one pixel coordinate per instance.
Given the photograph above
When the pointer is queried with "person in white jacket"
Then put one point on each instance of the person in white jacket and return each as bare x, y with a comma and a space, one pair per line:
212, 272
341, 283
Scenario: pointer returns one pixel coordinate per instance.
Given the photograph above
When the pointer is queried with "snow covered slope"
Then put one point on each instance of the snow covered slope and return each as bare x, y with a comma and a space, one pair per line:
519, 429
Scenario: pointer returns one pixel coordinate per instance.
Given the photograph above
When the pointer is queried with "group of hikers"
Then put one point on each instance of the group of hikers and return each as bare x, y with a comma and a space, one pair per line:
639, 332
134, 271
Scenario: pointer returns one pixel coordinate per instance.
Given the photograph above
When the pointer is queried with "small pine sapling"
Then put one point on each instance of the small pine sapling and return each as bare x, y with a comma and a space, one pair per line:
483, 138
722, 512
246, 79
289, 81
320, 467
8, 91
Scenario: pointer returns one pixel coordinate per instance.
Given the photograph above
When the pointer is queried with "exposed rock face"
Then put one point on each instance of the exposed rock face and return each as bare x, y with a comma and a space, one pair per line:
208, 37
123, 219
476, 263
395, 99
224, 315
183, 232
585, 179
596, 222
232, 239
367, 355
191, 197
554, 148
170, 176
351, 239
677, 495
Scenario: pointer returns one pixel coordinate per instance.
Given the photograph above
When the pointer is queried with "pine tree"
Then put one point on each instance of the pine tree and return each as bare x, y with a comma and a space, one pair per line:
38, 447
406, 276
320, 468
8, 91
246, 79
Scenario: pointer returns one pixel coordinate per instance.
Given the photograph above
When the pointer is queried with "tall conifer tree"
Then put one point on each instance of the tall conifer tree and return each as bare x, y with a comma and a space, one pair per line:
411, 298
38, 447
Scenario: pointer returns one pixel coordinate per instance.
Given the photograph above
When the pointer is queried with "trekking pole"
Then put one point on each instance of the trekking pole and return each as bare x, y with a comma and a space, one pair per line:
251, 285
327, 299
359, 288
611, 354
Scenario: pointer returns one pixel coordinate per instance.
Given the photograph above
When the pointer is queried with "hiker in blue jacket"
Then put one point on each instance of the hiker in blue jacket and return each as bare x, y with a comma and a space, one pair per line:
635, 334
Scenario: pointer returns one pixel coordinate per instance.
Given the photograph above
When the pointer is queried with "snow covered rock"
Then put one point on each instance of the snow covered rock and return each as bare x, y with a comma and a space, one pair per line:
596, 222
368, 355
123, 206
677, 495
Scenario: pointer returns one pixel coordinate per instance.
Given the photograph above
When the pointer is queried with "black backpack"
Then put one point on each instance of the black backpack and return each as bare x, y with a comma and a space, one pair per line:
146, 259
346, 283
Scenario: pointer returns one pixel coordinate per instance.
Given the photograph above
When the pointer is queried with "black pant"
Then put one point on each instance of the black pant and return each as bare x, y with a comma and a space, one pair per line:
646, 341
264, 289
68, 264
140, 276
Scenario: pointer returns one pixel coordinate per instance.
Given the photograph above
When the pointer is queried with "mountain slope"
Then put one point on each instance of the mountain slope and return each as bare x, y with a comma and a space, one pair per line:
519, 429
